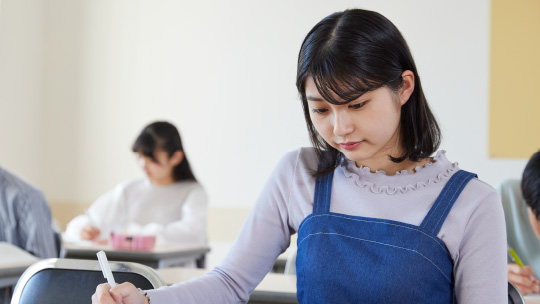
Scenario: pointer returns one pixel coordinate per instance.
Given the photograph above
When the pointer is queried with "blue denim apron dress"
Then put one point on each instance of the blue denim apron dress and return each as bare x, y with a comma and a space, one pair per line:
353, 259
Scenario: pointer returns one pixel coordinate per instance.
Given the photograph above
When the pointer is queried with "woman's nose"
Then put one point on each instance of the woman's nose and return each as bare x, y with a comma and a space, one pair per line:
342, 123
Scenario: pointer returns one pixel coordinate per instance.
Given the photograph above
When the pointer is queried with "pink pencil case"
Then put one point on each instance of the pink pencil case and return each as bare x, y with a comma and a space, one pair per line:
132, 242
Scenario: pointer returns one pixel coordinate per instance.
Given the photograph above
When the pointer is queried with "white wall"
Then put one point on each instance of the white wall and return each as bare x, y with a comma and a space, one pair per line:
63, 97
21, 87
224, 73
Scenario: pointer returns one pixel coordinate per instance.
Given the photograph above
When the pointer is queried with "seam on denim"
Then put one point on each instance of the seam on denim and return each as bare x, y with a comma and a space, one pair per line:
327, 185
306, 219
439, 202
317, 199
448, 205
359, 239
376, 222
446, 189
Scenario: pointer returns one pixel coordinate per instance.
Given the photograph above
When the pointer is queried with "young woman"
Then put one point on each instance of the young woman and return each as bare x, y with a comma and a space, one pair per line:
168, 202
379, 219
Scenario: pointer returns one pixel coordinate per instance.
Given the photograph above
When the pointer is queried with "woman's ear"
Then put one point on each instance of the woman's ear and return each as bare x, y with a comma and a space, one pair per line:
177, 158
407, 88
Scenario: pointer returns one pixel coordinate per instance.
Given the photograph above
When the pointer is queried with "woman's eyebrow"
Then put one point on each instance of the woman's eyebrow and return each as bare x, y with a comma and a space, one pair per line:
314, 98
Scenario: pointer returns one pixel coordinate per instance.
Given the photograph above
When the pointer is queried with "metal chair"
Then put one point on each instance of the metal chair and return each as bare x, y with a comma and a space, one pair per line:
514, 296
63, 281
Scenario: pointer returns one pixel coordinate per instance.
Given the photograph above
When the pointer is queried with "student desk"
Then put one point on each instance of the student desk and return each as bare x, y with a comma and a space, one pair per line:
159, 257
274, 288
9, 275
13, 262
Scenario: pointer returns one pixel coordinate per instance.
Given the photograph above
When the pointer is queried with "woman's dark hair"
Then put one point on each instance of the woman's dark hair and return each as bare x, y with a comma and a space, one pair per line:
165, 136
530, 184
355, 51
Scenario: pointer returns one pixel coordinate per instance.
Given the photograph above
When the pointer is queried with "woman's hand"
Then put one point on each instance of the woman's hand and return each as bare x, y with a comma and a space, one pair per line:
124, 293
90, 232
523, 278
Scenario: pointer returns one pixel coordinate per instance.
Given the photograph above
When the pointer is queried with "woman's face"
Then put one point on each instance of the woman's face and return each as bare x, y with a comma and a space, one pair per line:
159, 172
365, 130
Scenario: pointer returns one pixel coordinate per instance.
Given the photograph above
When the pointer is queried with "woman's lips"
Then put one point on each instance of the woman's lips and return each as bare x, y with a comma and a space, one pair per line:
350, 145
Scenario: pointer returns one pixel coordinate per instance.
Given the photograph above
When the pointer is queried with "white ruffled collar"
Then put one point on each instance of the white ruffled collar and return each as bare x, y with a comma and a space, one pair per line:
402, 181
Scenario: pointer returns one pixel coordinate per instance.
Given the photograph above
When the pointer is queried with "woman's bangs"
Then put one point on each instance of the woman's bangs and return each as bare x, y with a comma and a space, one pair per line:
341, 87
145, 145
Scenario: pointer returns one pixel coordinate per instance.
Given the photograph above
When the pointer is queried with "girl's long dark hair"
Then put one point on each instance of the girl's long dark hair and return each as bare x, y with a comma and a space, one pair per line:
355, 51
163, 135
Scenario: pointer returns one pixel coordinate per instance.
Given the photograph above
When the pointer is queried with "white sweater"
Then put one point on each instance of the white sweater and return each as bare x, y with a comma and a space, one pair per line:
175, 213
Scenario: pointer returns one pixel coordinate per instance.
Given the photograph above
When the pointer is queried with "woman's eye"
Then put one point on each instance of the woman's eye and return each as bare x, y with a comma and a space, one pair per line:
319, 111
358, 105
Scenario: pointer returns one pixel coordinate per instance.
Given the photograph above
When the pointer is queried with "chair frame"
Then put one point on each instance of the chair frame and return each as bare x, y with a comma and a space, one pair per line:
290, 264
74, 264
514, 295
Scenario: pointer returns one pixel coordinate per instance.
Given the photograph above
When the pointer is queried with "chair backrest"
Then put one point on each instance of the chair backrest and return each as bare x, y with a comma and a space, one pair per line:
59, 281
514, 296
290, 265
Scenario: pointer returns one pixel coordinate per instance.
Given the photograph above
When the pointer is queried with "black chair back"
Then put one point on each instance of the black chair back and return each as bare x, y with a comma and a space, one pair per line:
63, 281
514, 296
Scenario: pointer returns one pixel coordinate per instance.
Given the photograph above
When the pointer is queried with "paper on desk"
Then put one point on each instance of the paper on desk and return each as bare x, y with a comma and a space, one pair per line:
68, 238
13, 256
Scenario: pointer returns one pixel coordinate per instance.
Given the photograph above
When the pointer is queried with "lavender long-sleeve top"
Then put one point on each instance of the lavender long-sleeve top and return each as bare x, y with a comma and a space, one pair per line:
474, 231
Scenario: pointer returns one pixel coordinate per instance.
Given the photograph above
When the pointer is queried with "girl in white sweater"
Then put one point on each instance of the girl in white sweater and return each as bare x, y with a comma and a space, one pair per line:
168, 202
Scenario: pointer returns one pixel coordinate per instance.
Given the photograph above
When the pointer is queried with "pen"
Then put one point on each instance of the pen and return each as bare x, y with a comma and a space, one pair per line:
107, 273
515, 257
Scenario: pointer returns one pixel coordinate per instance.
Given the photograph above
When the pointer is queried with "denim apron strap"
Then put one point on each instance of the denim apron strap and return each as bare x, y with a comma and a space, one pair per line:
323, 192
443, 204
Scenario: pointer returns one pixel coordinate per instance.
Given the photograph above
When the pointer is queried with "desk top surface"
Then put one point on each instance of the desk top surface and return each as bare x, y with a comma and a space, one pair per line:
14, 260
273, 282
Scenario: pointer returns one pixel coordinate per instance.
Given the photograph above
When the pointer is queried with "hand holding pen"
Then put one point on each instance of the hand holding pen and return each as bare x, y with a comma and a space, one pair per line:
522, 276
111, 293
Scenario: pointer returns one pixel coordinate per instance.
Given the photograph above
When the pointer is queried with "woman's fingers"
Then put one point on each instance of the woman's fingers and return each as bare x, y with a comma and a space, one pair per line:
127, 293
102, 295
523, 278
